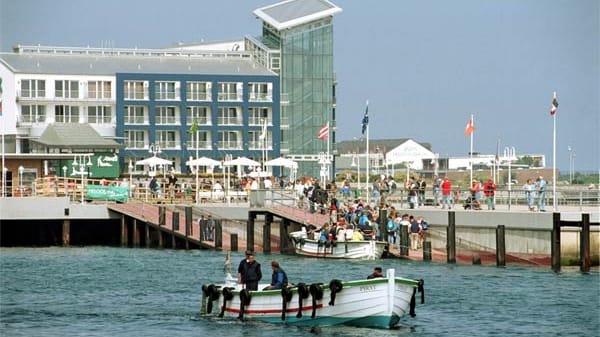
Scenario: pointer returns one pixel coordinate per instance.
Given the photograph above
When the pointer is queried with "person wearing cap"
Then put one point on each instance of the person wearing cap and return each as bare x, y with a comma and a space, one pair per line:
377, 272
278, 279
249, 273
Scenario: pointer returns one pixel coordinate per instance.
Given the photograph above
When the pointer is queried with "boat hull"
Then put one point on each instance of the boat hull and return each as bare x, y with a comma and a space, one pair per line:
363, 249
382, 303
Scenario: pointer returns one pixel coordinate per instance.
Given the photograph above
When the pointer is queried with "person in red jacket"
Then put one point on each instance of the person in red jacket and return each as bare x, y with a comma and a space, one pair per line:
446, 193
489, 189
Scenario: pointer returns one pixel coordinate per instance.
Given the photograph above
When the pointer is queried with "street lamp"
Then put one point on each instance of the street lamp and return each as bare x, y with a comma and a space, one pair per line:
64, 168
509, 154
154, 148
4, 170
81, 164
21, 169
571, 164
130, 178
228, 157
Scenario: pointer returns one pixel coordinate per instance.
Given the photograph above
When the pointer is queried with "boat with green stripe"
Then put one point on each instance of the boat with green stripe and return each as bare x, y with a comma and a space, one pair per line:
374, 303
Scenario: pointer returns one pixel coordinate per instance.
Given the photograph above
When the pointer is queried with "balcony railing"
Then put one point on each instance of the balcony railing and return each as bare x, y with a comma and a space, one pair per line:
260, 97
230, 145
136, 120
202, 145
200, 96
136, 144
259, 121
230, 96
166, 120
229, 120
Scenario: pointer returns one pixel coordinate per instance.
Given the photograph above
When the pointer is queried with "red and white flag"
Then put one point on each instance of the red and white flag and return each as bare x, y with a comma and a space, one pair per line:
554, 105
470, 127
324, 132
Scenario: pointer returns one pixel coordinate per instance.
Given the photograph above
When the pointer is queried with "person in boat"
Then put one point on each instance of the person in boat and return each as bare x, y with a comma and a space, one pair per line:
249, 273
278, 279
377, 272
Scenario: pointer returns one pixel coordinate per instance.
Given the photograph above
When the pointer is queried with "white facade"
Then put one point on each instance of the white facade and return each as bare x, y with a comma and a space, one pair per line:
409, 152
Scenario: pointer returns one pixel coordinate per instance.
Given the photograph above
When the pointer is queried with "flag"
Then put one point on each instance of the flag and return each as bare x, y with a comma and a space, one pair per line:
554, 105
194, 127
365, 120
324, 132
470, 127
263, 133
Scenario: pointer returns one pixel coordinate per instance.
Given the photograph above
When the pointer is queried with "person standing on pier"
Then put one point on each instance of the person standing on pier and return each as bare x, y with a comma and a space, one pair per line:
489, 189
446, 193
541, 189
249, 273
529, 189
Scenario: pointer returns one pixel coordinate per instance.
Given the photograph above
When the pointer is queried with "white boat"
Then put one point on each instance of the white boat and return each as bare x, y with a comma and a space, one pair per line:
348, 249
374, 303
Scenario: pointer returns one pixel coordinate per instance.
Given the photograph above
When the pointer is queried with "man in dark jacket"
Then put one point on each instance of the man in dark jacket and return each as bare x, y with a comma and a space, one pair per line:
249, 273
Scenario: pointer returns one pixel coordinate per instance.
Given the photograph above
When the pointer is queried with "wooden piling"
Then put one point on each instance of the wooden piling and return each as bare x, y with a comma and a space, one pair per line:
555, 244
584, 251
161, 215
66, 232
404, 240
267, 233
283, 235
175, 219
451, 238
250, 231
218, 234
500, 246
123, 231
427, 251
476, 259
189, 229
234, 242
147, 235
136, 234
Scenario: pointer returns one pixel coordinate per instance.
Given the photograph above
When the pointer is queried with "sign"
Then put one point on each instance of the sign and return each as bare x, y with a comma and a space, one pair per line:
111, 193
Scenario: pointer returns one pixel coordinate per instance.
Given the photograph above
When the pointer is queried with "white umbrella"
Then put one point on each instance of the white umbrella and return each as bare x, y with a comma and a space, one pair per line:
259, 174
154, 161
241, 161
281, 161
203, 161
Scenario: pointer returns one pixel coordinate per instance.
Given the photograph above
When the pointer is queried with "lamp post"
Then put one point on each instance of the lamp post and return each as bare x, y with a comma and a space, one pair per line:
154, 148
228, 157
571, 155
82, 165
21, 169
4, 170
356, 163
509, 154
65, 184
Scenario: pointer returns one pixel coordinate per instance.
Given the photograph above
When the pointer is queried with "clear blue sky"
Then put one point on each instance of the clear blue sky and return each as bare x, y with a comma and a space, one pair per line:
424, 66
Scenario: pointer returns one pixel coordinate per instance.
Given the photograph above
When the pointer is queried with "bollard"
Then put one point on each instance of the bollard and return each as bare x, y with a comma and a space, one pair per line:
234, 242
451, 238
427, 251
500, 247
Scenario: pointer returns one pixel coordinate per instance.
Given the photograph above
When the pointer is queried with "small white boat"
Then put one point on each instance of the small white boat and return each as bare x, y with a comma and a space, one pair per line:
374, 303
348, 249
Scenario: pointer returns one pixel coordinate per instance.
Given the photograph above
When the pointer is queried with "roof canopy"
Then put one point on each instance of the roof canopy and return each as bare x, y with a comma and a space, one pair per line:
292, 13
74, 135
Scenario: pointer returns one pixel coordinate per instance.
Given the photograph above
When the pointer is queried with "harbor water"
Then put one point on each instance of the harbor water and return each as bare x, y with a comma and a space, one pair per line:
104, 291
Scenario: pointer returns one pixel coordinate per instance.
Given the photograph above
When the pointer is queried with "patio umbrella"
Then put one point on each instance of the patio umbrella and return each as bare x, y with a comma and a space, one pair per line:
241, 161
281, 161
154, 161
203, 161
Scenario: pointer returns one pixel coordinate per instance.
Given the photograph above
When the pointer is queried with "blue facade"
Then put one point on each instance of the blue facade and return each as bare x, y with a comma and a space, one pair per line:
181, 126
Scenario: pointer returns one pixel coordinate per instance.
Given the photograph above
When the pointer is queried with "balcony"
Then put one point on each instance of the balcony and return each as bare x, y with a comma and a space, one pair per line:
258, 121
230, 145
230, 96
229, 121
260, 97
133, 120
202, 145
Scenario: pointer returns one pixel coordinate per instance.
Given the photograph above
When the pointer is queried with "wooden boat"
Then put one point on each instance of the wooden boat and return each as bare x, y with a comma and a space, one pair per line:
374, 303
349, 249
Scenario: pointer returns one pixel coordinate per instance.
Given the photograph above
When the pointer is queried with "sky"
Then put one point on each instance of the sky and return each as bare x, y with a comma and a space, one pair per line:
424, 65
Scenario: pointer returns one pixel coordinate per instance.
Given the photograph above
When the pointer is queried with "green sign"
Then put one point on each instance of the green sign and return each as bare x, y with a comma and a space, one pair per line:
112, 193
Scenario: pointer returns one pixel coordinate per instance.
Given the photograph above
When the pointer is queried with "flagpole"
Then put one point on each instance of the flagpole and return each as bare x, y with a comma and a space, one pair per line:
328, 169
554, 161
368, 160
471, 151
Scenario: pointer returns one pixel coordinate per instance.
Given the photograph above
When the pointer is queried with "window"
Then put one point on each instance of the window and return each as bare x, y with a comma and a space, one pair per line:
136, 114
199, 113
99, 114
66, 89
257, 115
167, 91
230, 115
135, 90
230, 91
230, 140
135, 139
33, 113
66, 114
167, 139
33, 88
260, 92
166, 115
198, 91
204, 140
99, 89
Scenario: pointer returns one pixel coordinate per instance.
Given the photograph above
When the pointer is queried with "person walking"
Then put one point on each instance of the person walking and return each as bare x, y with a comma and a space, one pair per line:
421, 186
414, 233
437, 187
446, 193
279, 278
541, 189
249, 273
489, 189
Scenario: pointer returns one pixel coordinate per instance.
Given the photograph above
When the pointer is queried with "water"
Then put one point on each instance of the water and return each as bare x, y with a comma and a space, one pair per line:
102, 291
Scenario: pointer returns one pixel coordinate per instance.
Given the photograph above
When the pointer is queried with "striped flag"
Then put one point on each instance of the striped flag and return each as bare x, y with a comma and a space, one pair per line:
324, 132
470, 127
554, 105
365, 120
